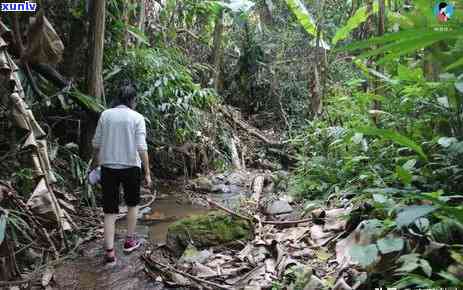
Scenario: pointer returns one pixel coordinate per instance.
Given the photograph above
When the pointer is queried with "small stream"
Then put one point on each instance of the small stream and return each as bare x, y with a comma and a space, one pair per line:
170, 205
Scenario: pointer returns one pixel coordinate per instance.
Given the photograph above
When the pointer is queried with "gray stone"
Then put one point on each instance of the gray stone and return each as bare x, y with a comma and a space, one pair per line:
202, 183
279, 207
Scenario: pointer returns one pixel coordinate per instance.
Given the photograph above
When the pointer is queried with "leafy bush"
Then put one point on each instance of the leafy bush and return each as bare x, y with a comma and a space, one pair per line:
169, 99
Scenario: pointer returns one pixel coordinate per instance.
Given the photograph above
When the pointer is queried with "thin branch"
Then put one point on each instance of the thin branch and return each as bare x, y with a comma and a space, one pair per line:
34, 86
189, 276
287, 222
219, 206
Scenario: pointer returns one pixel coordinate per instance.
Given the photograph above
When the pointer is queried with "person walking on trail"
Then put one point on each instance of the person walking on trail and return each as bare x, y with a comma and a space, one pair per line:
120, 149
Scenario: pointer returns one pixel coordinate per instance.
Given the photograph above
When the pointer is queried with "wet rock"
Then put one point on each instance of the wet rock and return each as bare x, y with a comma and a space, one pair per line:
238, 178
202, 183
279, 207
192, 254
220, 188
206, 230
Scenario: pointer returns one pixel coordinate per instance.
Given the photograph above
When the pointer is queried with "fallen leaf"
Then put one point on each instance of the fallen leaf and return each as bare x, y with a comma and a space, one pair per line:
322, 255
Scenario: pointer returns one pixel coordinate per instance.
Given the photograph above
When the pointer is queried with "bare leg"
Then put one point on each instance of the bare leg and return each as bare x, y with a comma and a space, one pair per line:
109, 230
132, 221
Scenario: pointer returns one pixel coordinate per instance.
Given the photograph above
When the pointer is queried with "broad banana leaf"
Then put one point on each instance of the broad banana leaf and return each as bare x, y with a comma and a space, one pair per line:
303, 16
86, 101
404, 42
360, 16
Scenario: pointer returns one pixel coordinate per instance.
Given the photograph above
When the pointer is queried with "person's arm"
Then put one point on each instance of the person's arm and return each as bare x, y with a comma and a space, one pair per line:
146, 167
95, 158
96, 143
142, 148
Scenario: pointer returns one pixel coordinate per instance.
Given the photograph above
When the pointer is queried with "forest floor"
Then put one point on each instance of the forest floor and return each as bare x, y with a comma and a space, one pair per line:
87, 271
274, 249
277, 243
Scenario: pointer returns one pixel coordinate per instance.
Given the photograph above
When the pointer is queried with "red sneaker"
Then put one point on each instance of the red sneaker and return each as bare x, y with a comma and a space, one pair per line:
131, 244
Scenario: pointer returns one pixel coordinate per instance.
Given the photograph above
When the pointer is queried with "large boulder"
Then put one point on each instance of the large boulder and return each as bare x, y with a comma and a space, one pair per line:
206, 230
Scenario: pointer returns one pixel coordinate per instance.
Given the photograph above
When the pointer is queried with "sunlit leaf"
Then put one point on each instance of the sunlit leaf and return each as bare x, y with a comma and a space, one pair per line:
237, 6
303, 16
450, 277
409, 165
138, 34
456, 64
409, 214
394, 137
404, 175
364, 255
387, 246
427, 269
447, 141
415, 281
86, 101
3, 219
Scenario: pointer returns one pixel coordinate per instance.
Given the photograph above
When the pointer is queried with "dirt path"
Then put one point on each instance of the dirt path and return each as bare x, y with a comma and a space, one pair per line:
88, 271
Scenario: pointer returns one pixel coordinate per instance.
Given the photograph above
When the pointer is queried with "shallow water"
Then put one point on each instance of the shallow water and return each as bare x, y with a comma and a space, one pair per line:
165, 211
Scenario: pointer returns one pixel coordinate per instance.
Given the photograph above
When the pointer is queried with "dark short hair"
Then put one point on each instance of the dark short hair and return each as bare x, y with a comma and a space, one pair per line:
442, 5
127, 94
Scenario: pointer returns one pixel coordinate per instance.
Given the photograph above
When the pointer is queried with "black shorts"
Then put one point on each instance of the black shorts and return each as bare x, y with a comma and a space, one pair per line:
111, 179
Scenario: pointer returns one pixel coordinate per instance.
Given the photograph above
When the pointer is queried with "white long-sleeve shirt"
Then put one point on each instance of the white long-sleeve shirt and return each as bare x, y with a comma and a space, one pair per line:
119, 135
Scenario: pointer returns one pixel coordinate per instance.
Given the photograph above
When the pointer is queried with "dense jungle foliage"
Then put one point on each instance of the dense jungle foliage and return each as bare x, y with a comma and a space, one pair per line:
365, 98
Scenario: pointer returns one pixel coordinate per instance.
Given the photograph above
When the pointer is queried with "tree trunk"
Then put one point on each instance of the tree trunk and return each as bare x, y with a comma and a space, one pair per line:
141, 19
125, 18
217, 53
97, 31
95, 72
